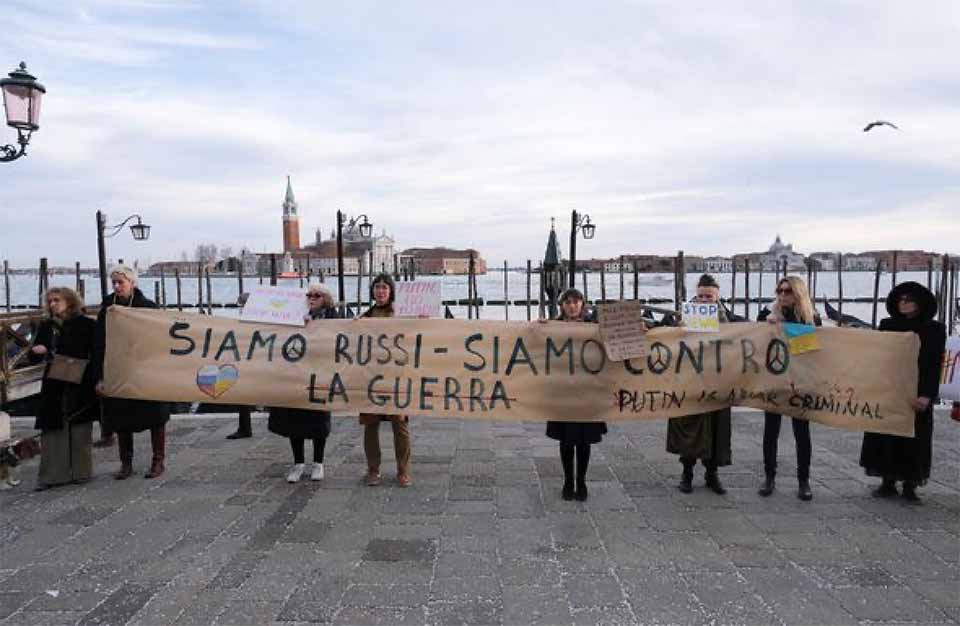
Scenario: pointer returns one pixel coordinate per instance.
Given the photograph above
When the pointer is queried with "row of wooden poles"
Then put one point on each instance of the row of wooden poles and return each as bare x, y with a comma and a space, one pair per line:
945, 286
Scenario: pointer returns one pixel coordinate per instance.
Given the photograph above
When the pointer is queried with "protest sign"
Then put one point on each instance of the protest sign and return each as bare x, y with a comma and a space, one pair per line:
950, 372
701, 317
622, 329
423, 298
275, 305
477, 369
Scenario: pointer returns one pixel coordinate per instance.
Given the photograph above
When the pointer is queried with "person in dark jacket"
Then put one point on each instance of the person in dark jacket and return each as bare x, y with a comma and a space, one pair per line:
704, 436
793, 304
383, 293
67, 408
911, 307
125, 416
575, 437
301, 424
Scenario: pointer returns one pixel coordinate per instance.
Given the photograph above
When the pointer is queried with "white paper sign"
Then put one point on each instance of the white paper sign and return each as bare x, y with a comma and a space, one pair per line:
418, 298
622, 330
950, 372
701, 317
275, 305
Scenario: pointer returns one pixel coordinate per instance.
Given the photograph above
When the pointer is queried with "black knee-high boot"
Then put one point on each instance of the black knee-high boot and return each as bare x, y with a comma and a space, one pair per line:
566, 460
583, 462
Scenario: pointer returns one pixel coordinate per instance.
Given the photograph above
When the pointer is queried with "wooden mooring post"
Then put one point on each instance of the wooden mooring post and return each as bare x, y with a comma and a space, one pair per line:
176, 275
200, 287
6, 283
506, 294
893, 271
586, 297
541, 300
620, 264
206, 272
636, 281
529, 279
876, 291
603, 282
163, 287
733, 283
76, 273
746, 288
42, 282
273, 270
839, 289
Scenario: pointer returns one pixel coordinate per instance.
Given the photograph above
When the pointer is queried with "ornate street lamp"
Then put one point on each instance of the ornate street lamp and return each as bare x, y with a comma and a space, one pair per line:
366, 229
21, 100
140, 232
583, 223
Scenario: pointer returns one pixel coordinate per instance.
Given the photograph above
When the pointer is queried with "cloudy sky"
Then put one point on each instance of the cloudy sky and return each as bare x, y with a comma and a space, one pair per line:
702, 126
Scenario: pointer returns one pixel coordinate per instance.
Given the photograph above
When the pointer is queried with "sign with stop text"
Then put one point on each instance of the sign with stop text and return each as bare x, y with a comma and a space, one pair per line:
477, 369
701, 317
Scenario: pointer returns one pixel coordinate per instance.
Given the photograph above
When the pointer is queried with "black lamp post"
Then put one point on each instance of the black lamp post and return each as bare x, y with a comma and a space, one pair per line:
366, 228
21, 100
140, 232
582, 222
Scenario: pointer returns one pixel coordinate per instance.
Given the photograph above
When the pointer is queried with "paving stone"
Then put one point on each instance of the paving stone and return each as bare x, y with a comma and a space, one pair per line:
12, 601
727, 600
591, 590
660, 596
375, 616
464, 613
854, 576
887, 604
520, 572
475, 588
120, 606
83, 516
795, 597
394, 596
66, 600
535, 605
44, 618
400, 550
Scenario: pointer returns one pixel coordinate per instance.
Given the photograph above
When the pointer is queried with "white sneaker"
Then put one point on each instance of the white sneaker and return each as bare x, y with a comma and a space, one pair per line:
317, 473
295, 473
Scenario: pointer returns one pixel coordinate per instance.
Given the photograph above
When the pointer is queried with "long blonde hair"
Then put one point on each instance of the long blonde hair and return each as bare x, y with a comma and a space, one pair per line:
803, 307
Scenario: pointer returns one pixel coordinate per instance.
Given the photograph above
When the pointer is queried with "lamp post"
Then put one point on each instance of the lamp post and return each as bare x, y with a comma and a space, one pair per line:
581, 222
21, 100
366, 228
140, 232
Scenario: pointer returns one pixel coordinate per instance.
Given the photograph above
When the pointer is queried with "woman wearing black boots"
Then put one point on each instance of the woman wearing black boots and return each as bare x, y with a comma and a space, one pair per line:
911, 307
793, 304
575, 437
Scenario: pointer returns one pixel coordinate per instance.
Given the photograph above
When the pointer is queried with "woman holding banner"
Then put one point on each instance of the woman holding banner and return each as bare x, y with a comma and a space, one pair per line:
68, 403
299, 425
382, 295
793, 304
575, 437
704, 436
124, 416
911, 307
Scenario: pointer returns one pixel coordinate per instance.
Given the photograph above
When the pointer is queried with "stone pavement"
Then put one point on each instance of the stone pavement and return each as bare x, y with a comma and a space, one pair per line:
481, 538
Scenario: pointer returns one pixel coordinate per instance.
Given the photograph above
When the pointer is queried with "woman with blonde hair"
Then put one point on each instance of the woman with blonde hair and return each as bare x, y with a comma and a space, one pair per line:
125, 416
68, 404
794, 305
298, 425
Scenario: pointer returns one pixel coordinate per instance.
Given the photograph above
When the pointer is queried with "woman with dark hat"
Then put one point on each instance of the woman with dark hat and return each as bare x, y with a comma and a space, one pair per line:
911, 307
575, 437
704, 436
382, 294
298, 425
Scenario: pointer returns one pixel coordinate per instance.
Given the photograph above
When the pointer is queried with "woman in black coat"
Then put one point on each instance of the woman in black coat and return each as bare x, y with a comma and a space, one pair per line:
67, 407
301, 424
575, 437
125, 416
911, 307
793, 304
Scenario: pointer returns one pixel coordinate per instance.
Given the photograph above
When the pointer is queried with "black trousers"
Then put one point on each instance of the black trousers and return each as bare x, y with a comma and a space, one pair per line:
297, 446
771, 435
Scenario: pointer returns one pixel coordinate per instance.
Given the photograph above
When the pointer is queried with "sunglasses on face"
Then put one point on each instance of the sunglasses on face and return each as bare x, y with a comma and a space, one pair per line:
784, 290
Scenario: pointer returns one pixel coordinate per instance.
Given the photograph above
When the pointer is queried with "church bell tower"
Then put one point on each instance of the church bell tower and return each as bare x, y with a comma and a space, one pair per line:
291, 221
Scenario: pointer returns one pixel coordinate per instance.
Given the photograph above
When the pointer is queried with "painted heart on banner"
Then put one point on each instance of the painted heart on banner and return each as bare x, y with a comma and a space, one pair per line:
215, 380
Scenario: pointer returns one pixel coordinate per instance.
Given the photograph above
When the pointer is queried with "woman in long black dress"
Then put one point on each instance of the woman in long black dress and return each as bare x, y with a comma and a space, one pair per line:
911, 307
575, 437
299, 425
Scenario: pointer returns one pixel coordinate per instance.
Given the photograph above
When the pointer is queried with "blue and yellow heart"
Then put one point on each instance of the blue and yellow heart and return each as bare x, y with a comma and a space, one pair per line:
215, 380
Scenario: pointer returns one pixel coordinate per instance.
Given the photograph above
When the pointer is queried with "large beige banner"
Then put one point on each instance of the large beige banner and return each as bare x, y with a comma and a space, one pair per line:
859, 380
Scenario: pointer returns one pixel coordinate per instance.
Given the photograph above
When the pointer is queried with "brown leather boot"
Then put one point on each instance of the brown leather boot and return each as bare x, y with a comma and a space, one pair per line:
158, 439
125, 447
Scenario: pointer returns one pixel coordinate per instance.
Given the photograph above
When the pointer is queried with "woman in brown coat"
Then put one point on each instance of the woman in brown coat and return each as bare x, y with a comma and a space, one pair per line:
382, 294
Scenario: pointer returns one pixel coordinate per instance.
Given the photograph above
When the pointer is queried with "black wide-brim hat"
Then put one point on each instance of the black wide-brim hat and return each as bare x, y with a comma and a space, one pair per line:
926, 301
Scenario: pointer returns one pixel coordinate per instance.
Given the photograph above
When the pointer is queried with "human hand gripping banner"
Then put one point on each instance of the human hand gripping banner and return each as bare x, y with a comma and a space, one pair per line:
475, 369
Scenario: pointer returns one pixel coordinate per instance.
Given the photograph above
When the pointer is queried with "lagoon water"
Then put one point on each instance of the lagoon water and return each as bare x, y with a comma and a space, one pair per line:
24, 289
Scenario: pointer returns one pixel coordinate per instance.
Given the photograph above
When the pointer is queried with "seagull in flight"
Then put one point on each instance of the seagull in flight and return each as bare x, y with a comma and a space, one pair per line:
879, 123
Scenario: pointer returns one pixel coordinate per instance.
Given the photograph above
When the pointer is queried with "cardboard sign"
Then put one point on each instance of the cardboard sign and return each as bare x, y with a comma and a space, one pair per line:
950, 372
275, 305
419, 299
701, 317
478, 369
621, 328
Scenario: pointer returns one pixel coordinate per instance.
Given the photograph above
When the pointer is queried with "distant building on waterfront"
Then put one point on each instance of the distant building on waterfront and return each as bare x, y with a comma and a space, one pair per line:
907, 260
719, 264
444, 260
773, 258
